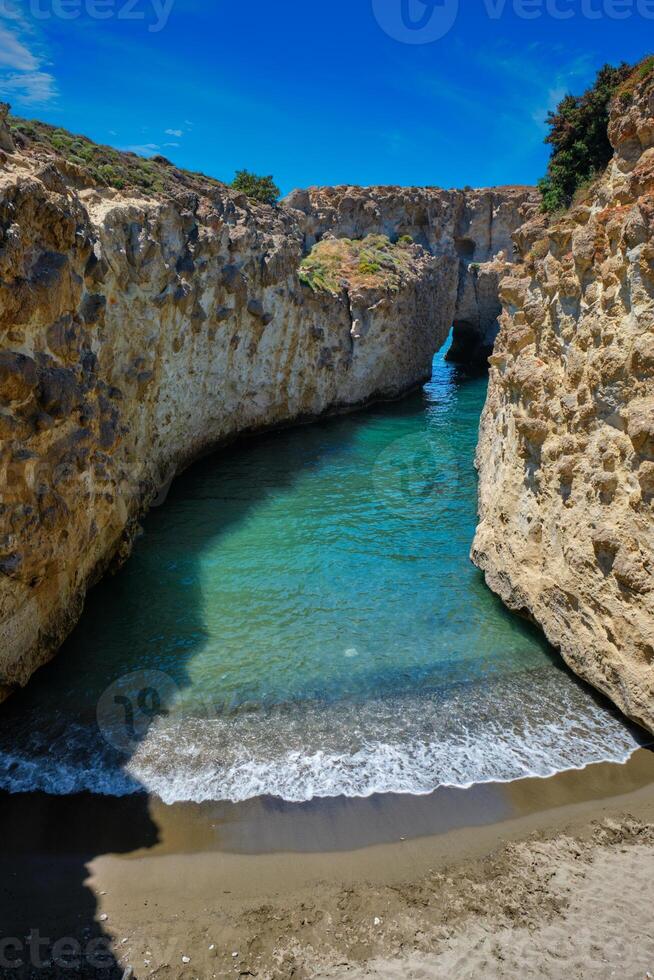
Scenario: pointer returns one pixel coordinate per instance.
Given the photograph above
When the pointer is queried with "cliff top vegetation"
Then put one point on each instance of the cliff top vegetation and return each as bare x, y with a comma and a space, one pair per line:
124, 170
579, 132
105, 165
643, 72
371, 262
263, 189
579, 137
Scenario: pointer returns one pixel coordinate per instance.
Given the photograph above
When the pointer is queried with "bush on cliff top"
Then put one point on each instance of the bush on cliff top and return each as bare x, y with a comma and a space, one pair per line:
372, 261
579, 136
261, 189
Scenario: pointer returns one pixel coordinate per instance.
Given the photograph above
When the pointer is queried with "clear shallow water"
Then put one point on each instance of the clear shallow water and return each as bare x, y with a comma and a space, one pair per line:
301, 619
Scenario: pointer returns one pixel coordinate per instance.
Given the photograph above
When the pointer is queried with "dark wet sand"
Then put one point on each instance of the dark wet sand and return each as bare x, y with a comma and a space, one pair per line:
236, 875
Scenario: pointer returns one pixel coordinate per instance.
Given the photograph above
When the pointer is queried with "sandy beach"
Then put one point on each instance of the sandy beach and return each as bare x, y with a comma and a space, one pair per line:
539, 877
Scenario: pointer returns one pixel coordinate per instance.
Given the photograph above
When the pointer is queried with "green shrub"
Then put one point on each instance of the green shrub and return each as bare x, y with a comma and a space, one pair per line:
259, 188
25, 128
645, 68
367, 268
579, 137
405, 240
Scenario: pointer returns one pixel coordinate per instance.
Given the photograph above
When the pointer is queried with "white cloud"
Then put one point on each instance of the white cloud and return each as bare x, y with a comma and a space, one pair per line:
30, 87
14, 54
175, 132
22, 78
171, 144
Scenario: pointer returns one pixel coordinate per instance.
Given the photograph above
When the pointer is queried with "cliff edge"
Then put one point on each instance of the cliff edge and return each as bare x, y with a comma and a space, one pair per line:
566, 450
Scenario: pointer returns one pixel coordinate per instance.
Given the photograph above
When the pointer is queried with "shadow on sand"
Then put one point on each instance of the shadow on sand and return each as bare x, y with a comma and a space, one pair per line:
49, 921
48, 917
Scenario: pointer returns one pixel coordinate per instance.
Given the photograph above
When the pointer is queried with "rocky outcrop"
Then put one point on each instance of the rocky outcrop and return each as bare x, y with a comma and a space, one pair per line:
475, 224
473, 227
478, 308
566, 451
6, 140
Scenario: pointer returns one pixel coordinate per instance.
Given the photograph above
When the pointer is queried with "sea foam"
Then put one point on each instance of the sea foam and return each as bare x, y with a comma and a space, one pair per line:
533, 725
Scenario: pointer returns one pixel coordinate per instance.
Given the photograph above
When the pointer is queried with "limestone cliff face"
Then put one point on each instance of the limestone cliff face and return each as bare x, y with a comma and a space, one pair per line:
137, 333
473, 227
566, 451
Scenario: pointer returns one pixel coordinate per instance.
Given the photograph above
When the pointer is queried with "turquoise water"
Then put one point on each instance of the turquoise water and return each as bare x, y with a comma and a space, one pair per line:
300, 618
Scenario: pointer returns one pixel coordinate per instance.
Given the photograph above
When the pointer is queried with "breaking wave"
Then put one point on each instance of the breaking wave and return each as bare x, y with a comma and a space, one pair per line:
534, 724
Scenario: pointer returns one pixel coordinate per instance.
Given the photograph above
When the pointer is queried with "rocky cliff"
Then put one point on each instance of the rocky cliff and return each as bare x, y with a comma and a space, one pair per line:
473, 227
142, 324
566, 451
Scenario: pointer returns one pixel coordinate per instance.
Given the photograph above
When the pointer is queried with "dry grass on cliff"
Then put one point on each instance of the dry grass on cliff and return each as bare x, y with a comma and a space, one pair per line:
105, 165
643, 71
371, 262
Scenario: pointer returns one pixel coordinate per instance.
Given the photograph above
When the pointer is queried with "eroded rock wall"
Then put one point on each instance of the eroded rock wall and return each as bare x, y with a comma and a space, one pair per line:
473, 226
566, 451
136, 335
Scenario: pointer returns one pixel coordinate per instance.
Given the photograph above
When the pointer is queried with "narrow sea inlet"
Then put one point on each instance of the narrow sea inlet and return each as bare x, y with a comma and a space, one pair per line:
300, 618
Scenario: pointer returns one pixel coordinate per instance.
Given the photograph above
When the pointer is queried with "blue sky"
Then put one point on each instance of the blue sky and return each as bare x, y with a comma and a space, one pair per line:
317, 93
